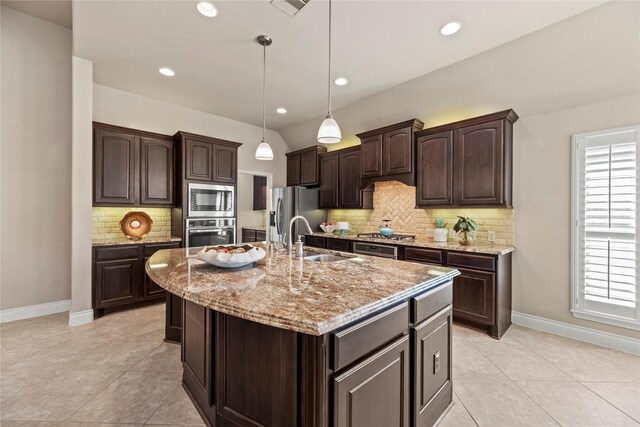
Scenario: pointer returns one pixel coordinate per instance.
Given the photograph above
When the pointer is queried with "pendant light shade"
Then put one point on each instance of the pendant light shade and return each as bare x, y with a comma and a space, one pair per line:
264, 151
329, 132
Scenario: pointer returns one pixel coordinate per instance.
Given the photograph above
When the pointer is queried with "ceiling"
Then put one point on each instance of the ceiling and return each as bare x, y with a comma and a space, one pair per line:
55, 11
218, 64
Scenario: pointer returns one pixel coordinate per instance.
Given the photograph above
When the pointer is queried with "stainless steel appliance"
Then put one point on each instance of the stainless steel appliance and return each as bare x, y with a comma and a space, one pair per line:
209, 200
374, 249
209, 232
396, 237
289, 202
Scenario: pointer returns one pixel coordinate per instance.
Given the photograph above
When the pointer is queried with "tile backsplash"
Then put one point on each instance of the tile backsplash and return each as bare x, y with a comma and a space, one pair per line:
105, 222
396, 202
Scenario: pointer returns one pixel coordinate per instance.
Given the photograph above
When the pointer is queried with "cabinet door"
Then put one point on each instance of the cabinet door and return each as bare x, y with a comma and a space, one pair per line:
199, 160
371, 149
259, 193
116, 282
150, 289
432, 368
248, 236
473, 296
115, 168
309, 168
328, 194
478, 168
156, 172
293, 170
434, 174
376, 391
224, 162
397, 152
349, 194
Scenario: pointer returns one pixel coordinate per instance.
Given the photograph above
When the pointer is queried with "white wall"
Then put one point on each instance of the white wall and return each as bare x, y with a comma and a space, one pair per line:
121, 108
247, 217
36, 161
578, 75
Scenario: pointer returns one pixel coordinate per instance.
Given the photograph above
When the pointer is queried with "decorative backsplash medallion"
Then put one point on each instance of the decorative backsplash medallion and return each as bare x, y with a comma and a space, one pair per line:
105, 222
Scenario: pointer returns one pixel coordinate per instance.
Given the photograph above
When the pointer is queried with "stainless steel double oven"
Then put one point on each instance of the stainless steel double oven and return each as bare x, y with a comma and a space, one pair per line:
211, 216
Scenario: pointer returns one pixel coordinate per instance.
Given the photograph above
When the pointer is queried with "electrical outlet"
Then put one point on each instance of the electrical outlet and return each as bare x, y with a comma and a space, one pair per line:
452, 234
491, 236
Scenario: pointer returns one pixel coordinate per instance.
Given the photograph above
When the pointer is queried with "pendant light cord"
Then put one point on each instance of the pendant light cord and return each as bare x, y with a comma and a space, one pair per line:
264, 88
329, 76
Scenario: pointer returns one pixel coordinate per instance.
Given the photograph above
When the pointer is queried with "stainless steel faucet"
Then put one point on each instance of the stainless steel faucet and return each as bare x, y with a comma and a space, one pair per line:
290, 244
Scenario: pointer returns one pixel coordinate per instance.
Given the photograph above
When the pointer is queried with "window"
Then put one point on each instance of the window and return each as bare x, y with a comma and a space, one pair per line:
604, 241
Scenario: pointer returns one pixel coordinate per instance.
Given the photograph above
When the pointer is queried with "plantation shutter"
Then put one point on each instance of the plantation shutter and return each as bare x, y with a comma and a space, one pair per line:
607, 223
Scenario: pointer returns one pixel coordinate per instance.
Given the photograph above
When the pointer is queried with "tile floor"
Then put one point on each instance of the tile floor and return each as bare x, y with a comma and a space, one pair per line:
117, 371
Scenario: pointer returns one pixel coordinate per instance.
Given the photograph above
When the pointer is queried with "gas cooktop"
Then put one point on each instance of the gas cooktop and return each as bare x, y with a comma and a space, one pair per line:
393, 237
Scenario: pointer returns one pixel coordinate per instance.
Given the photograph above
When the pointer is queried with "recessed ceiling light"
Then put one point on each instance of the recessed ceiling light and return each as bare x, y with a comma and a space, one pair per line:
341, 81
207, 9
450, 28
281, 110
167, 72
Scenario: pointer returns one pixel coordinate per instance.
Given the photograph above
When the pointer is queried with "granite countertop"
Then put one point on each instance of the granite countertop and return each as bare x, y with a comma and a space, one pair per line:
299, 295
125, 241
257, 227
427, 242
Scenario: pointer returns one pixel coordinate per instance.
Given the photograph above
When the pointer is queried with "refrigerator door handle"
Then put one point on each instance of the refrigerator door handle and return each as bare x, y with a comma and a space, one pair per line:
279, 216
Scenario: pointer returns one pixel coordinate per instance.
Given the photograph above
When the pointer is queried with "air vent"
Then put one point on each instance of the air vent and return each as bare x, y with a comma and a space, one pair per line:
290, 7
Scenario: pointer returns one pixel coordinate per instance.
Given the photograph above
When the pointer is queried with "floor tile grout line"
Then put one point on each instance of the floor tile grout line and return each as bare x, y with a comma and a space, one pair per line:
466, 409
537, 404
94, 396
161, 403
608, 401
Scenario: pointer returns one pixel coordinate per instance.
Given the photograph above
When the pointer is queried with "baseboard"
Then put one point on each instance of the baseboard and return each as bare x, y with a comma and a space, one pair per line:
580, 333
19, 313
80, 317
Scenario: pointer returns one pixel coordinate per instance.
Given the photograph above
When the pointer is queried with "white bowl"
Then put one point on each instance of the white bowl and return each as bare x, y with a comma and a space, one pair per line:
228, 260
328, 228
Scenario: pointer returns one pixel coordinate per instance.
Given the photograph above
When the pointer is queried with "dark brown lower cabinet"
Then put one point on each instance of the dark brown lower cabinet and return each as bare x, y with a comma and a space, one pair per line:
432, 383
251, 235
243, 373
119, 280
173, 323
473, 295
376, 391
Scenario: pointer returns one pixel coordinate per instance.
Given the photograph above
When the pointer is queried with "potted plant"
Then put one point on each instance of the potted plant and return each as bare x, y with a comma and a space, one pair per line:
465, 227
440, 234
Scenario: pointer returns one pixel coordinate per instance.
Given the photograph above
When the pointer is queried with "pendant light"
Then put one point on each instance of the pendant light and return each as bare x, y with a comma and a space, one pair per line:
329, 132
264, 151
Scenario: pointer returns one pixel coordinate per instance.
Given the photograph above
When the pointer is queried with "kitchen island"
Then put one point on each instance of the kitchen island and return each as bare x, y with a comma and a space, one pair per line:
351, 340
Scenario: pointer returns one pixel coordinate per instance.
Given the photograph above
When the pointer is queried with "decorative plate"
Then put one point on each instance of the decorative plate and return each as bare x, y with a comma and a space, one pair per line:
231, 256
136, 224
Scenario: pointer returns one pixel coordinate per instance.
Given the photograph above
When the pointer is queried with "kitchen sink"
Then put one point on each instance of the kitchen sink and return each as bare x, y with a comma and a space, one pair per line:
325, 258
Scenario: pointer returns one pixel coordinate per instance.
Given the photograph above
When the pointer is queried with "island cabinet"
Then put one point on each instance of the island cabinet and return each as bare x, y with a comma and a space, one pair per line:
303, 167
388, 153
132, 167
341, 181
118, 276
391, 368
466, 163
207, 159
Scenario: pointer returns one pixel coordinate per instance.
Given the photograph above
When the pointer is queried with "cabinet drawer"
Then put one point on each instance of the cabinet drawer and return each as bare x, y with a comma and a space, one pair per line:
318, 242
248, 236
482, 262
338, 245
431, 256
117, 252
261, 235
427, 304
360, 339
152, 248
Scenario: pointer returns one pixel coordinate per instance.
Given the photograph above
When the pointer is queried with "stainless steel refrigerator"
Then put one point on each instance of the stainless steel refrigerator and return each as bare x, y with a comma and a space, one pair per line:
289, 202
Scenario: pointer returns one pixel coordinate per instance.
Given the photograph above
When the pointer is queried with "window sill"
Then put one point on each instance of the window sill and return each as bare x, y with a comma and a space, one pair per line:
607, 319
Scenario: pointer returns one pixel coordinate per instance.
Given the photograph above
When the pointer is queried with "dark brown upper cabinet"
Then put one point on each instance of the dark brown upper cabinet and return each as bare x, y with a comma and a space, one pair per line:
434, 169
466, 163
156, 172
259, 193
303, 167
341, 181
208, 159
132, 167
388, 153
